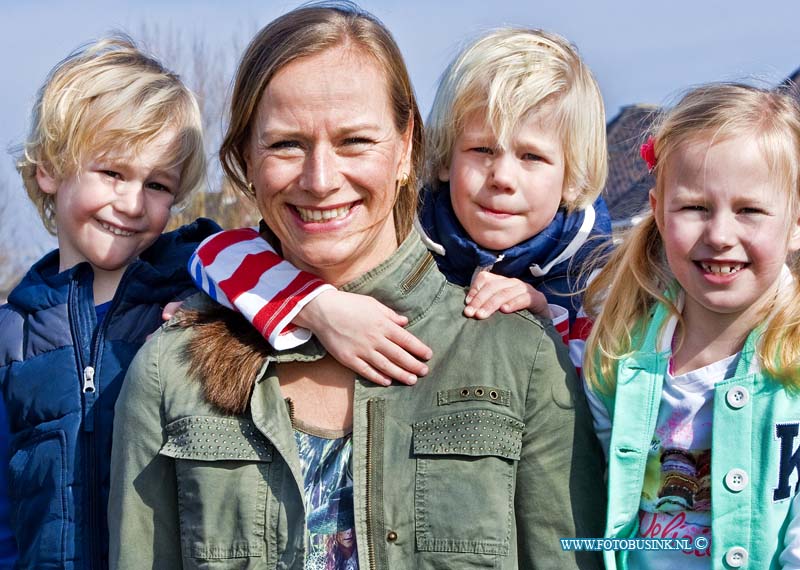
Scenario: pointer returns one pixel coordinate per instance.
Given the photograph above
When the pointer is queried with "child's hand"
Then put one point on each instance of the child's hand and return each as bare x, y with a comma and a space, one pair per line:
490, 292
170, 309
167, 313
365, 336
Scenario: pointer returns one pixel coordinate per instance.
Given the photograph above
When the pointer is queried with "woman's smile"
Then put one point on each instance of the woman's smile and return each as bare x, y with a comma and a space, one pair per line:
325, 158
324, 216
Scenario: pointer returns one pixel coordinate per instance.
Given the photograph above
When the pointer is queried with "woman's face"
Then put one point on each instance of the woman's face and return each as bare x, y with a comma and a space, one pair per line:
324, 158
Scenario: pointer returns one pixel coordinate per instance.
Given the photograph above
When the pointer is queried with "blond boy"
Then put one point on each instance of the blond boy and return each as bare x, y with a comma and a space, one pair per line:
115, 143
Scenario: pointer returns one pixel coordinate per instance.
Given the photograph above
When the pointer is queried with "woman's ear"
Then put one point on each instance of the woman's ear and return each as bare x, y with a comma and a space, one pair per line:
408, 148
47, 183
247, 167
444, 173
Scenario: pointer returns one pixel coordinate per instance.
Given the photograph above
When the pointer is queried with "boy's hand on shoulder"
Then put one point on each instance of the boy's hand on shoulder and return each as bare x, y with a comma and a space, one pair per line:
167, 313
170, 309
490, 292
366, 336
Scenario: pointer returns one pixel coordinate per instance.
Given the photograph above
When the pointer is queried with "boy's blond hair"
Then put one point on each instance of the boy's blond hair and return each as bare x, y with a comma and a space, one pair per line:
638, 275
108, 96
509, 73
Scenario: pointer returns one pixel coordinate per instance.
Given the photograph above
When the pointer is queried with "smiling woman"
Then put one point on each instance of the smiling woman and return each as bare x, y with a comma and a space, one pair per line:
265, 458
325, 160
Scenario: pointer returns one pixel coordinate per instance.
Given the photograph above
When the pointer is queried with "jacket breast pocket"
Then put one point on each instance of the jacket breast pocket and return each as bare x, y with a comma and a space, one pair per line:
464, 487
222, 466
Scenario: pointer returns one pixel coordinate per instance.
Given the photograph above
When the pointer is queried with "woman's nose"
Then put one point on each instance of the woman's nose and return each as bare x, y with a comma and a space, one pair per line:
321, 174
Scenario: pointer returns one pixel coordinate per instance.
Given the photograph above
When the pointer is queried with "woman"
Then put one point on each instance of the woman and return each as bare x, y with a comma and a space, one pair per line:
228, 454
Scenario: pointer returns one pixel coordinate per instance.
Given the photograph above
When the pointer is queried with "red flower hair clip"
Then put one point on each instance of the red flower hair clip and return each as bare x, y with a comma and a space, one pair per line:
648, 153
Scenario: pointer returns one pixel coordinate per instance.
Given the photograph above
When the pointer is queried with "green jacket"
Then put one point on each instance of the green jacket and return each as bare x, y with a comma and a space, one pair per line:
755, 442
485, 463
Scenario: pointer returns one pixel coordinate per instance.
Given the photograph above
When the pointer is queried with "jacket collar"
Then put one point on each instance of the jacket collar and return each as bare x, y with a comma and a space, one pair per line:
160, 271
657, 346
407, 281
459, 256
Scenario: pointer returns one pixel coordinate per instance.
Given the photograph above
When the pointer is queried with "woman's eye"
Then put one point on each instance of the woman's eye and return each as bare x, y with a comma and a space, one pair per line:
287, 144
357, 140
749, 211
694, 208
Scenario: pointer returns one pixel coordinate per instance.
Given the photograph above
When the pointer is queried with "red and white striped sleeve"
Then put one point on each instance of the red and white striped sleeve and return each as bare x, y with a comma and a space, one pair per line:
575, 335
241, 271
578, 333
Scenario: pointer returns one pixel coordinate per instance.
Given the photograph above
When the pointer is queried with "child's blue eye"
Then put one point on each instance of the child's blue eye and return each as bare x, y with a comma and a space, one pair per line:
482, 150
158, 186
531, 156
112, 174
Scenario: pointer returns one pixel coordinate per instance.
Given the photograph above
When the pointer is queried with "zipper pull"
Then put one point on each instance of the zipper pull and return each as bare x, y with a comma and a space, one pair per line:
89, 395
88, 379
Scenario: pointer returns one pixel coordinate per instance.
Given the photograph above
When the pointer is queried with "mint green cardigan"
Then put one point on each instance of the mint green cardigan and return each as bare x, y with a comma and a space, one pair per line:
755, 428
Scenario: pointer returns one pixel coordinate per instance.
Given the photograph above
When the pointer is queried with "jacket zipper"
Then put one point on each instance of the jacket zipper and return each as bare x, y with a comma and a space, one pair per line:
374, 496
89, 394
290, 406
86, 374
416, 276
370, 541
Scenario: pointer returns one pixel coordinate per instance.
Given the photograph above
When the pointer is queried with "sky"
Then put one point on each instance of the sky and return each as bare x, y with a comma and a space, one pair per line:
639, 51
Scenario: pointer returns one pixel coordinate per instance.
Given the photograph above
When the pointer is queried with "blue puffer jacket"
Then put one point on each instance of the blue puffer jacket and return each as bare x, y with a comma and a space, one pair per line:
60, 380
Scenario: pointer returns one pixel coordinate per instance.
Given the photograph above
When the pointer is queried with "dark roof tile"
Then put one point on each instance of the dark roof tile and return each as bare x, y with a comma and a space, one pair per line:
628, 178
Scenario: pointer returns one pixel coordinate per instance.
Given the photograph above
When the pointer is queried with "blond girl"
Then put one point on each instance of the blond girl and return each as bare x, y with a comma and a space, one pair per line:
693, 359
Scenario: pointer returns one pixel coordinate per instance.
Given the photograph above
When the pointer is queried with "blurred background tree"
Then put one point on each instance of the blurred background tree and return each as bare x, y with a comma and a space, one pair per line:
208, 70
17, 250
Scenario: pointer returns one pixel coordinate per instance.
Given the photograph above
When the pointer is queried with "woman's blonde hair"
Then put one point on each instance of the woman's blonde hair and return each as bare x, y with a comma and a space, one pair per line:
109, 96
637, 275
509, 73
306, 31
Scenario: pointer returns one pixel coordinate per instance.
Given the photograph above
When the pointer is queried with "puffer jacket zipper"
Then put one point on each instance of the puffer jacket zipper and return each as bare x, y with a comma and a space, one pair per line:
89, 372
80, 299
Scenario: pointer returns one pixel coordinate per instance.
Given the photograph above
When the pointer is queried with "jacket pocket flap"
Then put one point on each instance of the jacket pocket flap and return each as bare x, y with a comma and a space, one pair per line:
475, 432
205, 438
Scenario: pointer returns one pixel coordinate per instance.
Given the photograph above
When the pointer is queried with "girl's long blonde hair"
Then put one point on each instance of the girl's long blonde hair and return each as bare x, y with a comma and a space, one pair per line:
637, 274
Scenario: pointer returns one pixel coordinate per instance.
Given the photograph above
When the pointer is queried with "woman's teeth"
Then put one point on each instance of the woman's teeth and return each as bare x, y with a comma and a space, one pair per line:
721, 268
115, 231
322, 215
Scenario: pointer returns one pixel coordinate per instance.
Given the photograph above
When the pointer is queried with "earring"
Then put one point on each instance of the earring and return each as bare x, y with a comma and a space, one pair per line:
250, 187
403, 181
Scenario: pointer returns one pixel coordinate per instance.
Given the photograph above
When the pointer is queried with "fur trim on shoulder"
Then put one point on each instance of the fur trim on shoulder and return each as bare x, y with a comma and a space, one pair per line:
225, 354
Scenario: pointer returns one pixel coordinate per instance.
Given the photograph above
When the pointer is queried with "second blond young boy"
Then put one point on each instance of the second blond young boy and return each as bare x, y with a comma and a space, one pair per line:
115, 143
517, 159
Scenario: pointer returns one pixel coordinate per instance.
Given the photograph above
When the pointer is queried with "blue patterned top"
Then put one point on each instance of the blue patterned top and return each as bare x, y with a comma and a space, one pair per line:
326, 458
